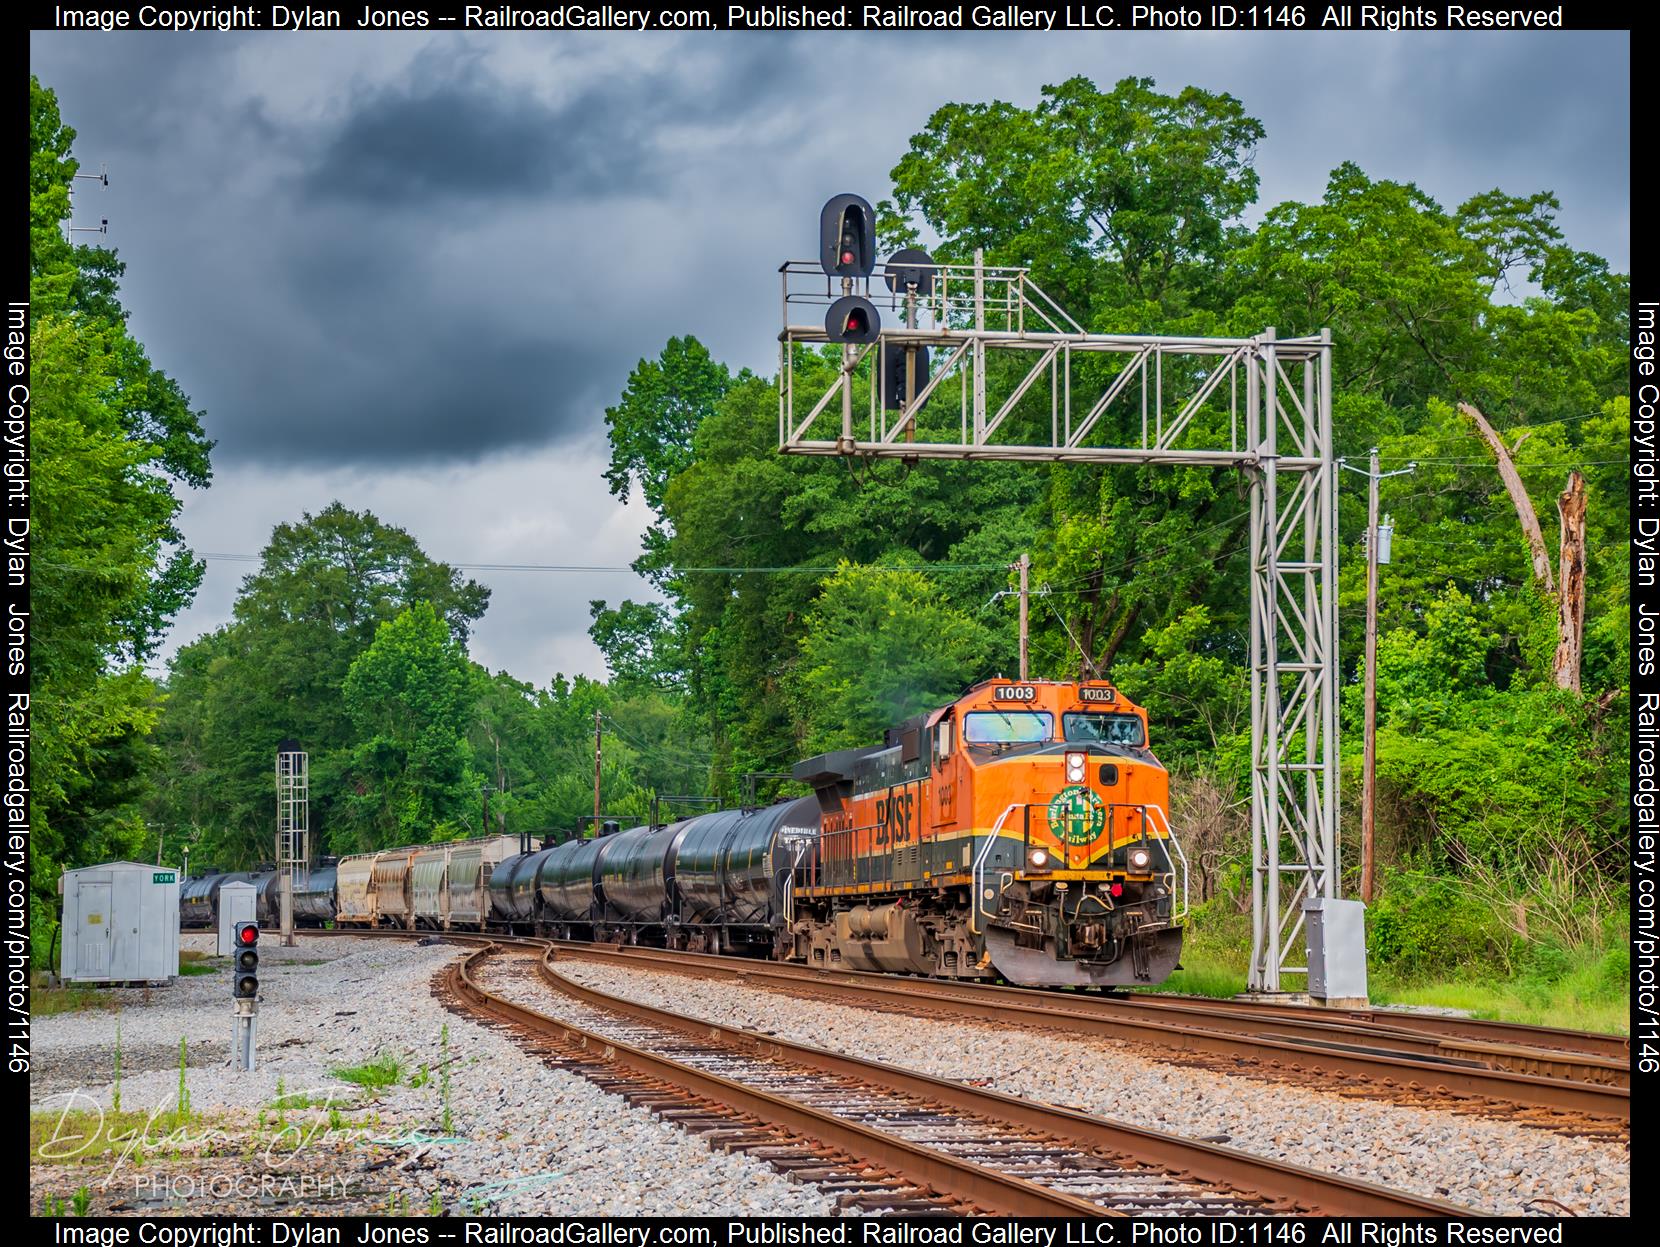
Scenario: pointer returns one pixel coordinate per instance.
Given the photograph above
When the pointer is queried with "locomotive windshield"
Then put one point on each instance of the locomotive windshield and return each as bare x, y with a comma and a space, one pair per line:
1105, 729
1008, 727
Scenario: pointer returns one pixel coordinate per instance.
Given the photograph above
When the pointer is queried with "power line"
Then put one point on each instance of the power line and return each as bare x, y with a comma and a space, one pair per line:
1488, 463
673, 571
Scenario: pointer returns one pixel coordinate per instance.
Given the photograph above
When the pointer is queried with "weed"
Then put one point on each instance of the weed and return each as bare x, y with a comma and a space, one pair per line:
184, 1091
82, 1199
335, 1120
383, 1071
196, 969
115, 1092
421, 1077
434, 1205
444, 1078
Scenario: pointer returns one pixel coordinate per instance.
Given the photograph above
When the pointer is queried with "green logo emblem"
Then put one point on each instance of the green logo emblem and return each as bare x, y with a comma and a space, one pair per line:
1076, 815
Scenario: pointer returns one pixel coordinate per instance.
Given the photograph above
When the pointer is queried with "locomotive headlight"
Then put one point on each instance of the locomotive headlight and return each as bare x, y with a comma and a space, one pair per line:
1140, 859
1037, 858
1074, 768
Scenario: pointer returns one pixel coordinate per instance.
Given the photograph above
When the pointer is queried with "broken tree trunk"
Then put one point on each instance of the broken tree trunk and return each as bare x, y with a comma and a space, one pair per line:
1569, 595
1570, 598
1518, 497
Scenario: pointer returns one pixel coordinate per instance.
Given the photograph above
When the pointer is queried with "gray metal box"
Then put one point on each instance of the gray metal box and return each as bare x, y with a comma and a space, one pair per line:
120, 923
238, 902
1336, 948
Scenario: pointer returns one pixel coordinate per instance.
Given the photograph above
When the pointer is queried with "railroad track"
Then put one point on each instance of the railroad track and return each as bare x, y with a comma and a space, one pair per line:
1584, 1093
888, 1139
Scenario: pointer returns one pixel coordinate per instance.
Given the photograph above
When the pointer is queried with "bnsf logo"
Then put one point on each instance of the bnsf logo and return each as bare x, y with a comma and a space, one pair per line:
1014, 692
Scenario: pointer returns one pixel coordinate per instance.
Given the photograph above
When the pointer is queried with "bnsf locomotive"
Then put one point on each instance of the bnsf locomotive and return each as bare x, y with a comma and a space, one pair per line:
1019, 833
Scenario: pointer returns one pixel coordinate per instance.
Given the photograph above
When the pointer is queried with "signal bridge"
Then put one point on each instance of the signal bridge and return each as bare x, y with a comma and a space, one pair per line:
943, 361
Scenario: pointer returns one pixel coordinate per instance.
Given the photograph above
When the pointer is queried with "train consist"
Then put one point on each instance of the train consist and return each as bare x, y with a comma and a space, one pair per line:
1020, 832
313, 899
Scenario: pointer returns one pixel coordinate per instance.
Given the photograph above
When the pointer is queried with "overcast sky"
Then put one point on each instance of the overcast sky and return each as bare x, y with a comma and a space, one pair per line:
410, 271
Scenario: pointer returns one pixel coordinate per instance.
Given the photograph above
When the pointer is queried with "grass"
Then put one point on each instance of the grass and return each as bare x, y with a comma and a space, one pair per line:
1582, 989
1204, 976
45, 1001
384, 1071
1586, 989
195, 969
87, 1136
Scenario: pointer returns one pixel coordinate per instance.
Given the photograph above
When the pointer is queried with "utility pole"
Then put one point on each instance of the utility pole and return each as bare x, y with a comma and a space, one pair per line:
1375, 554
1369, 777
596, 771
1025, 566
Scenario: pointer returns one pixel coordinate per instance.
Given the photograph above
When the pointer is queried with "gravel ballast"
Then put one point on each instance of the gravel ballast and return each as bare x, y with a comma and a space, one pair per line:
1485, 1164
528, 1139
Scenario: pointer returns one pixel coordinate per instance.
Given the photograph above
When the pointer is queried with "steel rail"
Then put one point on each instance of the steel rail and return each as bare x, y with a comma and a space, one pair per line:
1320, 1193
1323, 1193
1615, 1048
984, 1188
1341, 1049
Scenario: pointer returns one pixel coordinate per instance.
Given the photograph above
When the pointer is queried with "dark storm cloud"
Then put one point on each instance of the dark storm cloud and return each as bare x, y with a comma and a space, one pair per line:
455, 129
411, 271
470, 139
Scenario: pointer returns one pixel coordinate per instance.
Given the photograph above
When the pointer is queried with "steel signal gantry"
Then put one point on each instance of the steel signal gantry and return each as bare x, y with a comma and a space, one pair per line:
1033, 386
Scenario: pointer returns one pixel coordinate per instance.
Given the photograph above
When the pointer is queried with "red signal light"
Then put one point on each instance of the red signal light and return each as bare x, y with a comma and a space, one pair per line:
856, 321
248, 934
1117, 889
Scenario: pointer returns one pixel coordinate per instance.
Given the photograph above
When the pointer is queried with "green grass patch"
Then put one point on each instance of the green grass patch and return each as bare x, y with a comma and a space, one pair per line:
194, 954
71, 998
88, 1136
1585, 988
1205, 976
195, 969
384, 1071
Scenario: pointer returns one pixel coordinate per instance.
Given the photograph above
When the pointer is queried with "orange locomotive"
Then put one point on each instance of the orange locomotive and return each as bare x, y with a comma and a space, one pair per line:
1021, 832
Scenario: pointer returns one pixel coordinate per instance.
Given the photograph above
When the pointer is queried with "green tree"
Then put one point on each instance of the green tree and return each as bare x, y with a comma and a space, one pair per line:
1111, 197
410, 697
324, 587
879, 647
110, 438
652, 425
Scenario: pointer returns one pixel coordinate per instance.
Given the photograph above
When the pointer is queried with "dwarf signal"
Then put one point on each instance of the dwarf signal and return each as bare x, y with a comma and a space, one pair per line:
245, 978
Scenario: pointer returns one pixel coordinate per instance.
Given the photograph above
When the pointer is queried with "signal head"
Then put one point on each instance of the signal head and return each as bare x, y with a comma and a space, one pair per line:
893, 374
847, 237
911, 266
852, 318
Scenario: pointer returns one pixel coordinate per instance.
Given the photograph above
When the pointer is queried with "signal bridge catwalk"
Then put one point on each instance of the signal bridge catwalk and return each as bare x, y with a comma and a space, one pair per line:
957, 362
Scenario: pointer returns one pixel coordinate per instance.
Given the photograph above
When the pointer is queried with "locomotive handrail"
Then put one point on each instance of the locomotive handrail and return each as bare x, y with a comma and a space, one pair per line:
1170, 839
819, 859
979, 873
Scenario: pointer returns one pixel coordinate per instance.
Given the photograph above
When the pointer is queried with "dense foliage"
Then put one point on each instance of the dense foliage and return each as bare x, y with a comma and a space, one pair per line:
111, 438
